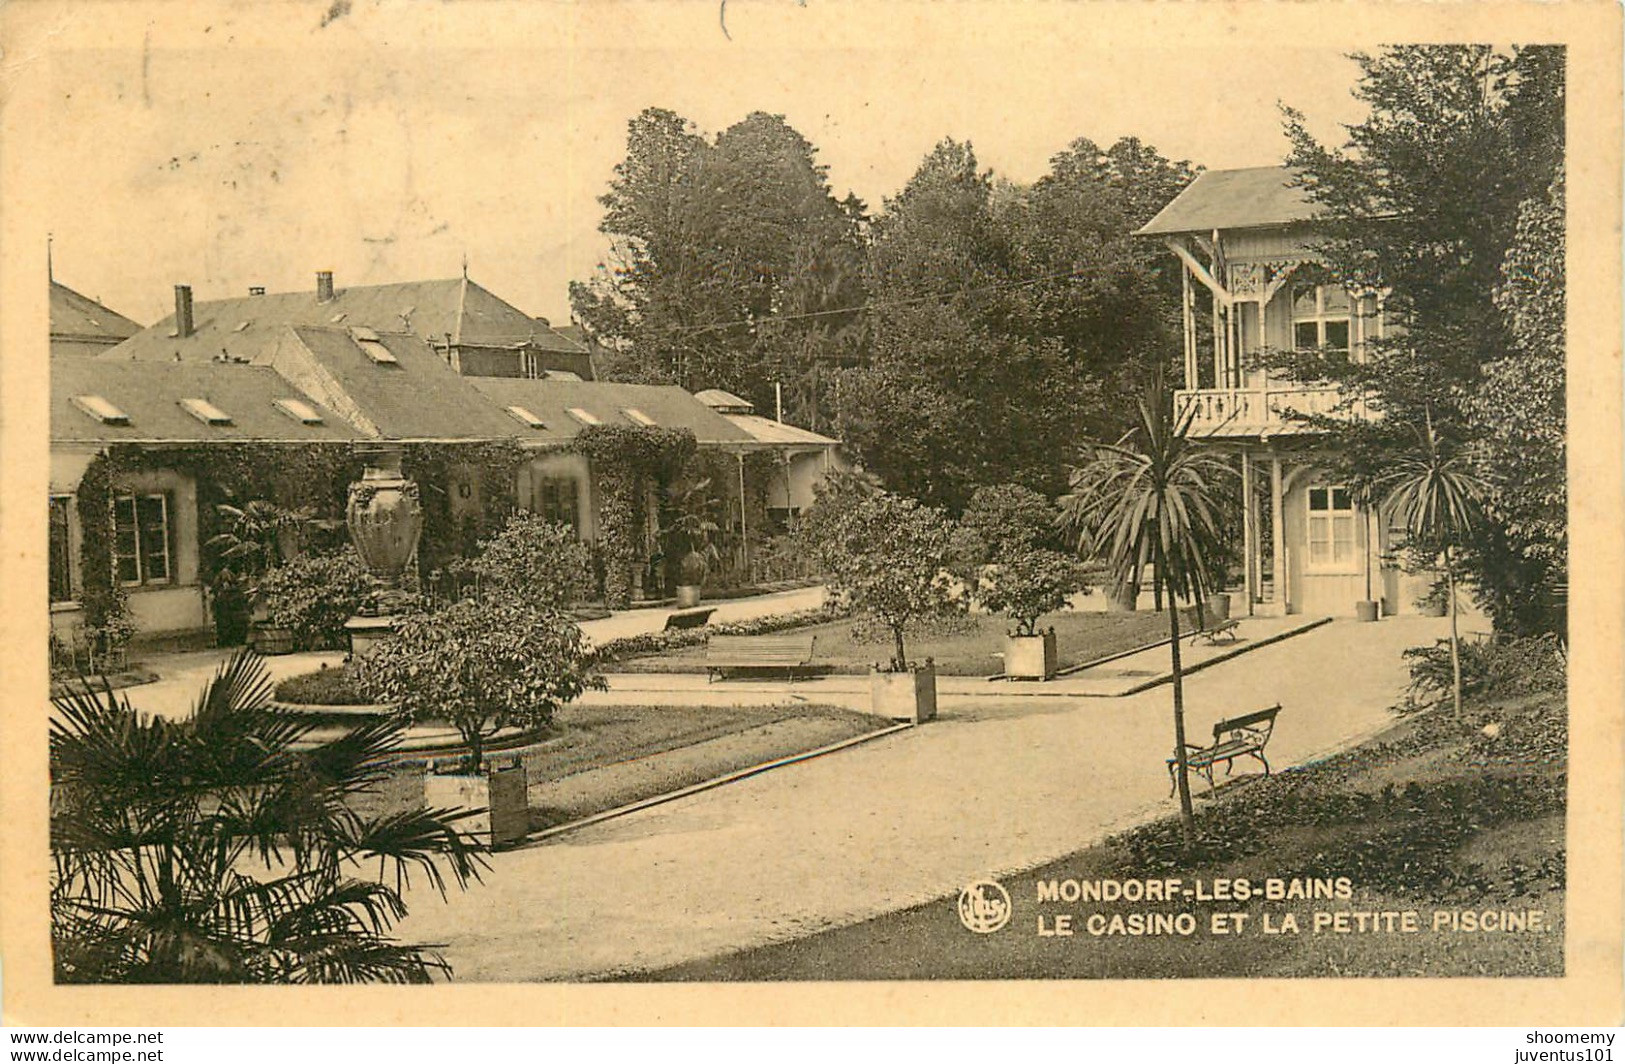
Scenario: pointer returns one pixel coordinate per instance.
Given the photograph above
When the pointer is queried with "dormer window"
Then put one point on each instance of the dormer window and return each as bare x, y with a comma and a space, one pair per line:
303, 413
1320, 316
638, 417
367, 340
100, 409
525, 417
205, 411
242, 325
585, 417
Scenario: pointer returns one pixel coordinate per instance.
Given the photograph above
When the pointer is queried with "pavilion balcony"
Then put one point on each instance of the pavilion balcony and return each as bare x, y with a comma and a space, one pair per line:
1223, 413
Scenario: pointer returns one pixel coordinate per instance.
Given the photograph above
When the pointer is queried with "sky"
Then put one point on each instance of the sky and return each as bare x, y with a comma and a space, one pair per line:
254, 145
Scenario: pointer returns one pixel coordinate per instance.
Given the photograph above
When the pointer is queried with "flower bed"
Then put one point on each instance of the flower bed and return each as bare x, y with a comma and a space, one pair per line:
845, 646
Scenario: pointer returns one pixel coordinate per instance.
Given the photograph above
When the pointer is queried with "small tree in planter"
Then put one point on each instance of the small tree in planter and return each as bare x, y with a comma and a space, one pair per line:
691, 537
1025, 583
890, 556
540, 561
480, 665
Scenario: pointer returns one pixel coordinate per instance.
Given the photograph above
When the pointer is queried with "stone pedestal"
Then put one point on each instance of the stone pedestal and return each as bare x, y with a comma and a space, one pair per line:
366, 632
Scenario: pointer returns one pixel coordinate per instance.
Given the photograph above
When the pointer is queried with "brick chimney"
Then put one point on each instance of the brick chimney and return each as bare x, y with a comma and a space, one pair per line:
324, 286
183, 311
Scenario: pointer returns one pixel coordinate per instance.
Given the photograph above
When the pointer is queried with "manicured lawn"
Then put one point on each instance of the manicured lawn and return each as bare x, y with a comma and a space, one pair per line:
1080, 637
1433, 817
608, 756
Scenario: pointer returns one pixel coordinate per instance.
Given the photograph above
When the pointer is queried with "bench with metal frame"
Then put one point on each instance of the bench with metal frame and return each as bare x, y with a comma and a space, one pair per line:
1233, 737
790, 652
1225, 631
689, 618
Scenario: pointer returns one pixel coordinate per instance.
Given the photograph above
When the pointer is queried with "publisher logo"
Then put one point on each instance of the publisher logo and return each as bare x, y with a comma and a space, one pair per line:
984, 907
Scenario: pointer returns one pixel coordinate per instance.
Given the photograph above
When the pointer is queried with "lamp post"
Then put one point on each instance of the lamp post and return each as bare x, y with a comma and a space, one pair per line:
385, 520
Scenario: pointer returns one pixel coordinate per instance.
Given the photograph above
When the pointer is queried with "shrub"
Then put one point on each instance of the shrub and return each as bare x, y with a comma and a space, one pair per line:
480, 665
1490, 668
324, 687
314, 594
1006, 518
648, 643
539, 560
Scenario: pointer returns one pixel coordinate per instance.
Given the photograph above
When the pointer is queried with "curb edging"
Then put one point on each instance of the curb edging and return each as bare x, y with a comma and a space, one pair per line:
538, 837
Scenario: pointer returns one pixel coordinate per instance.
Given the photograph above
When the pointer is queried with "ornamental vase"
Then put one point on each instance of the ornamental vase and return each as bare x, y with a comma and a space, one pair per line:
384, 516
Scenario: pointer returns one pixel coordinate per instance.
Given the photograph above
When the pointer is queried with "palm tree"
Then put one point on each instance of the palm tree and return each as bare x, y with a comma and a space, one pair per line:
1438, 503
1152, 497
228, 847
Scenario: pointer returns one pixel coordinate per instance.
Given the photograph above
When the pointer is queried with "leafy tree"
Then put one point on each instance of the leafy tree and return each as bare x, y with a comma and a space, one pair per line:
1005, 543
480, 665
734, 265
1437, 500
1009, 321
1150, 497
1521, 452
541, 562
1005, 517
1486, 124
888, 556
228, 847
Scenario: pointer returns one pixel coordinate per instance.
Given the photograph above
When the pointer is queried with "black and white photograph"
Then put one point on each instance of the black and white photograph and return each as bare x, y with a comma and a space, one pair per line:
756, 494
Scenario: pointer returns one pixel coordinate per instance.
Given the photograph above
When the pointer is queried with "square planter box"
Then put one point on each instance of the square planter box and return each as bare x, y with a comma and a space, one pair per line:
500, 795
1030, 657
910, 696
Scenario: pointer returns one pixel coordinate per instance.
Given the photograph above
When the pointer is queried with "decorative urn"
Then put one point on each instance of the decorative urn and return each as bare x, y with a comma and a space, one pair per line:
385, 520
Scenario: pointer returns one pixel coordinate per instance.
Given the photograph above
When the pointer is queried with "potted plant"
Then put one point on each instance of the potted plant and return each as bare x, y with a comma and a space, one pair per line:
259, 536
690, 538
890, 556
1024, 584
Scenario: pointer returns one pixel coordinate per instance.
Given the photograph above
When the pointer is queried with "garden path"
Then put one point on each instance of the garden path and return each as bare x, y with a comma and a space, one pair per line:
999, 783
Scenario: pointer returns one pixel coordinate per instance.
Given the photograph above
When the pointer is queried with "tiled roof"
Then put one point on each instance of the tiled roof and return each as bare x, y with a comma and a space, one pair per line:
1234, 199
457, 307
668, 406
150, 395
418, 397
80, 317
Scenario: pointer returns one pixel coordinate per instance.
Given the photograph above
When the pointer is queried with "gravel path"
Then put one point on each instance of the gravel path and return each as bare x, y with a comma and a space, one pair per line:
998, 783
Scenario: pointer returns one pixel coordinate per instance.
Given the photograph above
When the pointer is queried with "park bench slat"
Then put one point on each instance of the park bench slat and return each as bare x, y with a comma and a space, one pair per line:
789, 652
1233, 737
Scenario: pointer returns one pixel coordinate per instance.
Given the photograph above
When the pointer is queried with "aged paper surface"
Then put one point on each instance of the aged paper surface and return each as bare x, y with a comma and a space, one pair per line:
444, 74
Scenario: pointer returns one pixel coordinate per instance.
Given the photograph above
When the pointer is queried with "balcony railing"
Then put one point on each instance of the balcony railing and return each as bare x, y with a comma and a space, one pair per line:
1222, 412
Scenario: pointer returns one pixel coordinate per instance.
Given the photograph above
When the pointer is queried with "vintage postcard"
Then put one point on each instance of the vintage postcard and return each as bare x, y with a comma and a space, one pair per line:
811, 512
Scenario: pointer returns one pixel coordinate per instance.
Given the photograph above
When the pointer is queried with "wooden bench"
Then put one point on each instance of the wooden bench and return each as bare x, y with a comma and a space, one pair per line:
791, 652
1223, 632
1244, 736
689, 618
